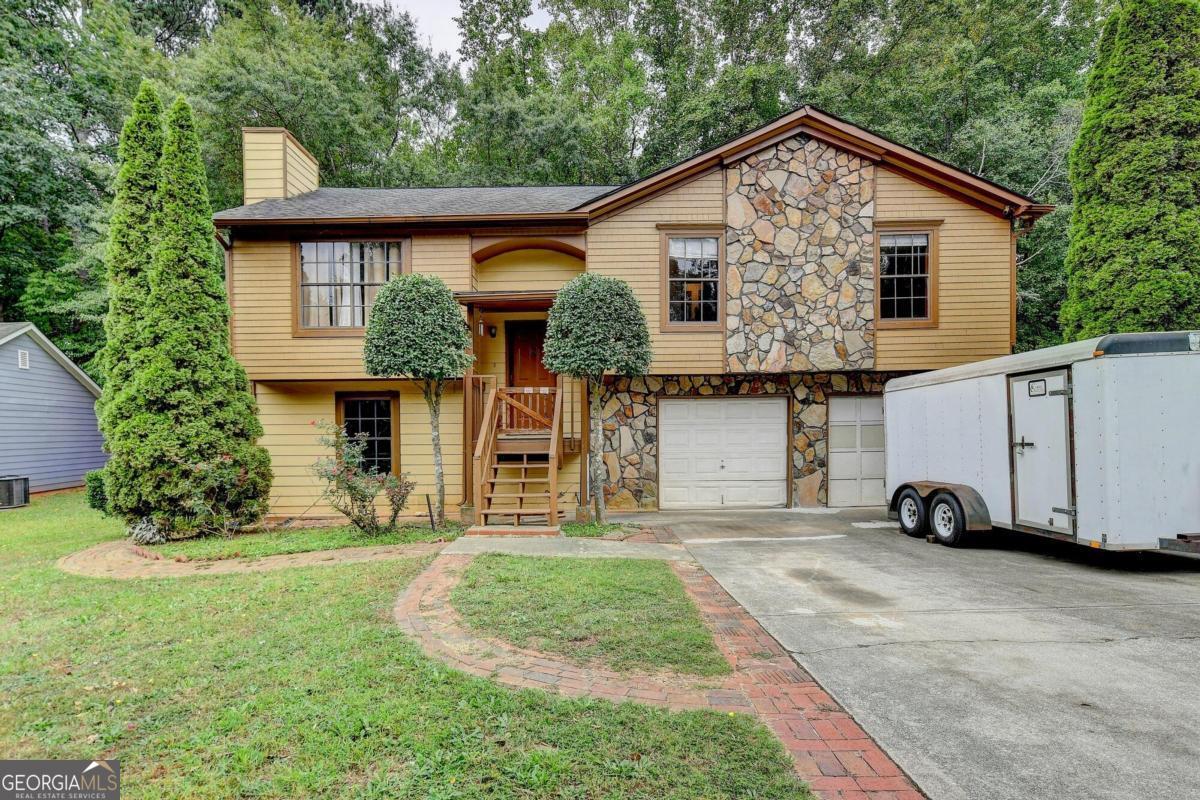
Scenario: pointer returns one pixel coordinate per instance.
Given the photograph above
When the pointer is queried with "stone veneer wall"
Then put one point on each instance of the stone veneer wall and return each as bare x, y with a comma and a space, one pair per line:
630, 420
800, 253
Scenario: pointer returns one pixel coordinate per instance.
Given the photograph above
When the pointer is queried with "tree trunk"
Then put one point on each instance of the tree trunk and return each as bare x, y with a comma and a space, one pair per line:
433, 398
595, 452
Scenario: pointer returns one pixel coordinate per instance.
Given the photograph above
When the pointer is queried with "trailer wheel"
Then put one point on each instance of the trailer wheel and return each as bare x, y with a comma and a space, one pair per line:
910, 510
947, 520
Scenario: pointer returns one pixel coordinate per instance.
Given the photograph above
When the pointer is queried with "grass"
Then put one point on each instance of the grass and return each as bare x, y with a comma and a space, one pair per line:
593, 530
298, 540
621, 613
296, 683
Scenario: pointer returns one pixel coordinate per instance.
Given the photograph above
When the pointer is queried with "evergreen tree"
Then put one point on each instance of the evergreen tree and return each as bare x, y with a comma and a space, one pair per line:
130, 242
1132, 262
191, 464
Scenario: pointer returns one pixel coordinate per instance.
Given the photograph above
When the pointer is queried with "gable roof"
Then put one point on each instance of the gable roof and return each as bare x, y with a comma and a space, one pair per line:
414, 204
11, 330
939, 175
529, 203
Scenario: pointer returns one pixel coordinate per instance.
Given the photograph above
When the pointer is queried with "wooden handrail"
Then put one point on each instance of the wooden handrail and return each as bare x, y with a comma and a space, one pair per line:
555, 453
484, 450
507, 398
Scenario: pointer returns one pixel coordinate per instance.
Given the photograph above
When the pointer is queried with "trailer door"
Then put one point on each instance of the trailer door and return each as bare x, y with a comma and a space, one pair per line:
1043, 491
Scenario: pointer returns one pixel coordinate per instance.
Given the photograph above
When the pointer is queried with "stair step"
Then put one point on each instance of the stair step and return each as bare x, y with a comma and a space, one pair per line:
490, 495
516, 512
516, 480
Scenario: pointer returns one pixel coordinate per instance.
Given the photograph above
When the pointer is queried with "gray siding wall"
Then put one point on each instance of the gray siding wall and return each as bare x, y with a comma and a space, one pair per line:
47, 420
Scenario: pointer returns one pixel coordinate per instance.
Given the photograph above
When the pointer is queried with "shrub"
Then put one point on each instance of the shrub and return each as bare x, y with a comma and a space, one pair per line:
354, 489
417, 331
596, 325
95, 493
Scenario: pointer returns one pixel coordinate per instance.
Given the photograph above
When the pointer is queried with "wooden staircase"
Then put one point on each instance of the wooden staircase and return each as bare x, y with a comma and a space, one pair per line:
516, 462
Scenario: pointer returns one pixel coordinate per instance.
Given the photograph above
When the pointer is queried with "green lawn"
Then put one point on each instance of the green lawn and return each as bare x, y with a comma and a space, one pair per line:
592, 530
621, 613
296, 683
299, 540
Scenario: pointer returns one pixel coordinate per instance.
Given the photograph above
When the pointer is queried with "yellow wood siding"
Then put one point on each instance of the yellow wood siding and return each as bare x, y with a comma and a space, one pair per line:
302, 173
974, 280
626, 246
289, 409
262, 277
262, 165
541, 270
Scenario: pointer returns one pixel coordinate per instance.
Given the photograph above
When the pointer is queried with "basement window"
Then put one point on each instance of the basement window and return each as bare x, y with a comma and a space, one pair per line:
374, 417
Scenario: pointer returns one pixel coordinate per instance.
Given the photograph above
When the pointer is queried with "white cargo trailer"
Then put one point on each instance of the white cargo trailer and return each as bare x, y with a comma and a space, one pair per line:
1096, 442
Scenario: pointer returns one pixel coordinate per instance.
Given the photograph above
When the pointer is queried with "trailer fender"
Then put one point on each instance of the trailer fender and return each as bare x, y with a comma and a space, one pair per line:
978, 517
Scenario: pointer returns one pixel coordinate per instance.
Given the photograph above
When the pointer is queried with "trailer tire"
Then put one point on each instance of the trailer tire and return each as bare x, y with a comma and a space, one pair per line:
911, 512
947, 521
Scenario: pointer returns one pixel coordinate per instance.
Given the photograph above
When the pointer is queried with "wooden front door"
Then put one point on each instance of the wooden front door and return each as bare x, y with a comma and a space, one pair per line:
524, 340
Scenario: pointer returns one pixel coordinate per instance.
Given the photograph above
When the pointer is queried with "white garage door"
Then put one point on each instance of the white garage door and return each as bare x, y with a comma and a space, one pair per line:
718, 452
856, 451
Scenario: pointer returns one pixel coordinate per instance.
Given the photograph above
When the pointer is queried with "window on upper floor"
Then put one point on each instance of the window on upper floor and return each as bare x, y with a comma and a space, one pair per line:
907, 278
692, 281
339, 281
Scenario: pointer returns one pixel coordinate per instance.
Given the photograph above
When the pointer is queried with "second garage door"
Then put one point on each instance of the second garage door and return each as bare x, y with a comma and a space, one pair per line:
856, 451
720, 452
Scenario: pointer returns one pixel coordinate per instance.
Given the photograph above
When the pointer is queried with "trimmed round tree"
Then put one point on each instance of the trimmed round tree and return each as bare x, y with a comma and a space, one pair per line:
596, 325
416, 330
128, 255
191, 437
1132, 261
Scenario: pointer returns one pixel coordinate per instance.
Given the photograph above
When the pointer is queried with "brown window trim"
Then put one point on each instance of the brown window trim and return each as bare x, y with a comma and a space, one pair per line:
301, 332
694, 230
930, 228
339, 402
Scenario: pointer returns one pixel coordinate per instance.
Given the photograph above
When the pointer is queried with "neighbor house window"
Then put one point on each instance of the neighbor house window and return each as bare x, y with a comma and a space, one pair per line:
373, 416
339, 281
693, 280
905, 264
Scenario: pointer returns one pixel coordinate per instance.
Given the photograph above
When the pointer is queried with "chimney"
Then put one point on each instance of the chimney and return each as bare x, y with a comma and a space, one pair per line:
275, 165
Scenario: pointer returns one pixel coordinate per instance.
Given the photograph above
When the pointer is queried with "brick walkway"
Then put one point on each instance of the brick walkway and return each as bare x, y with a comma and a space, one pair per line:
121, 560
828, 748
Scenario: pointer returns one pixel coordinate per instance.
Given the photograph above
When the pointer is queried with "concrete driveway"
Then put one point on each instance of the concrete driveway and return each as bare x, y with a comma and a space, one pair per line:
1018, 667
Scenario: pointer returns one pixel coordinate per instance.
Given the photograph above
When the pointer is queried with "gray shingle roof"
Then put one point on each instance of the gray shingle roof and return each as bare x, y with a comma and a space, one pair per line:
435, 202
8, 328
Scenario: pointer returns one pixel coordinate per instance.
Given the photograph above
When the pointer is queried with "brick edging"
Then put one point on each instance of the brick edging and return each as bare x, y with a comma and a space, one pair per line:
828, 748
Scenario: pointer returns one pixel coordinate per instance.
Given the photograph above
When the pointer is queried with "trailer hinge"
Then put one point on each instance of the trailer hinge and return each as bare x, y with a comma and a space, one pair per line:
1067, 393
1066, 512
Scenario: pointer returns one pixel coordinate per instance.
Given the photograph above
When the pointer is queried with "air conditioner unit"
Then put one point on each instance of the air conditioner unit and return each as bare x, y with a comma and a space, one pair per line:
14, 491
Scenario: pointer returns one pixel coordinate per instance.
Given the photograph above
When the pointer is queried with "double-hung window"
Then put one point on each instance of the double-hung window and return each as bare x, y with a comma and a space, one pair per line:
339, 281
692, 280
374, 418
907, 278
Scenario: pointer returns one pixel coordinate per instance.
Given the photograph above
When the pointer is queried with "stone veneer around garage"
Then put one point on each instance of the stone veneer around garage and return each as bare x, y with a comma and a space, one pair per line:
800, 252
630, 420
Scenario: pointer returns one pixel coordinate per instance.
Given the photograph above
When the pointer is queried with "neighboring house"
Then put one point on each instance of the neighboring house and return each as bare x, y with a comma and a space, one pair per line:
785, 275
48, 426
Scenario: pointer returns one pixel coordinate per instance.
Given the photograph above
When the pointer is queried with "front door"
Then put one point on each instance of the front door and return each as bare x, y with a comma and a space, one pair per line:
524, 340
1041, 451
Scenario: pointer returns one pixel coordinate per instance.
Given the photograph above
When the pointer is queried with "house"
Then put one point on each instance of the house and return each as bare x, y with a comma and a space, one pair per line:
48, 428
785, 275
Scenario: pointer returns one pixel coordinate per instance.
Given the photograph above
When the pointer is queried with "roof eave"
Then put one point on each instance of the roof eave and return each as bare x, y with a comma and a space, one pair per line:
541, 216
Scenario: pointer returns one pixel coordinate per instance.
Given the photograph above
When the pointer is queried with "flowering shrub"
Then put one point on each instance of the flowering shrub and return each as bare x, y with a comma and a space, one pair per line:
352, 488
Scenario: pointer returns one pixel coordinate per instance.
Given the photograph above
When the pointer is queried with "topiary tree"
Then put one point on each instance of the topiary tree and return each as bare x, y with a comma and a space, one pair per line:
128, 256
1132, 261
596, 325
193, 465
416, 330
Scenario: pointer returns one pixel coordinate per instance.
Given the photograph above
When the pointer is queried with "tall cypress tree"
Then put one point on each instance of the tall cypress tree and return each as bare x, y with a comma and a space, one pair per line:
1133, 262
130, 241
197, 463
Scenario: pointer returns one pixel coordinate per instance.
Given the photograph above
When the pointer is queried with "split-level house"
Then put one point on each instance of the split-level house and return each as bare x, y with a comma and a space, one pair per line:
785, 276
